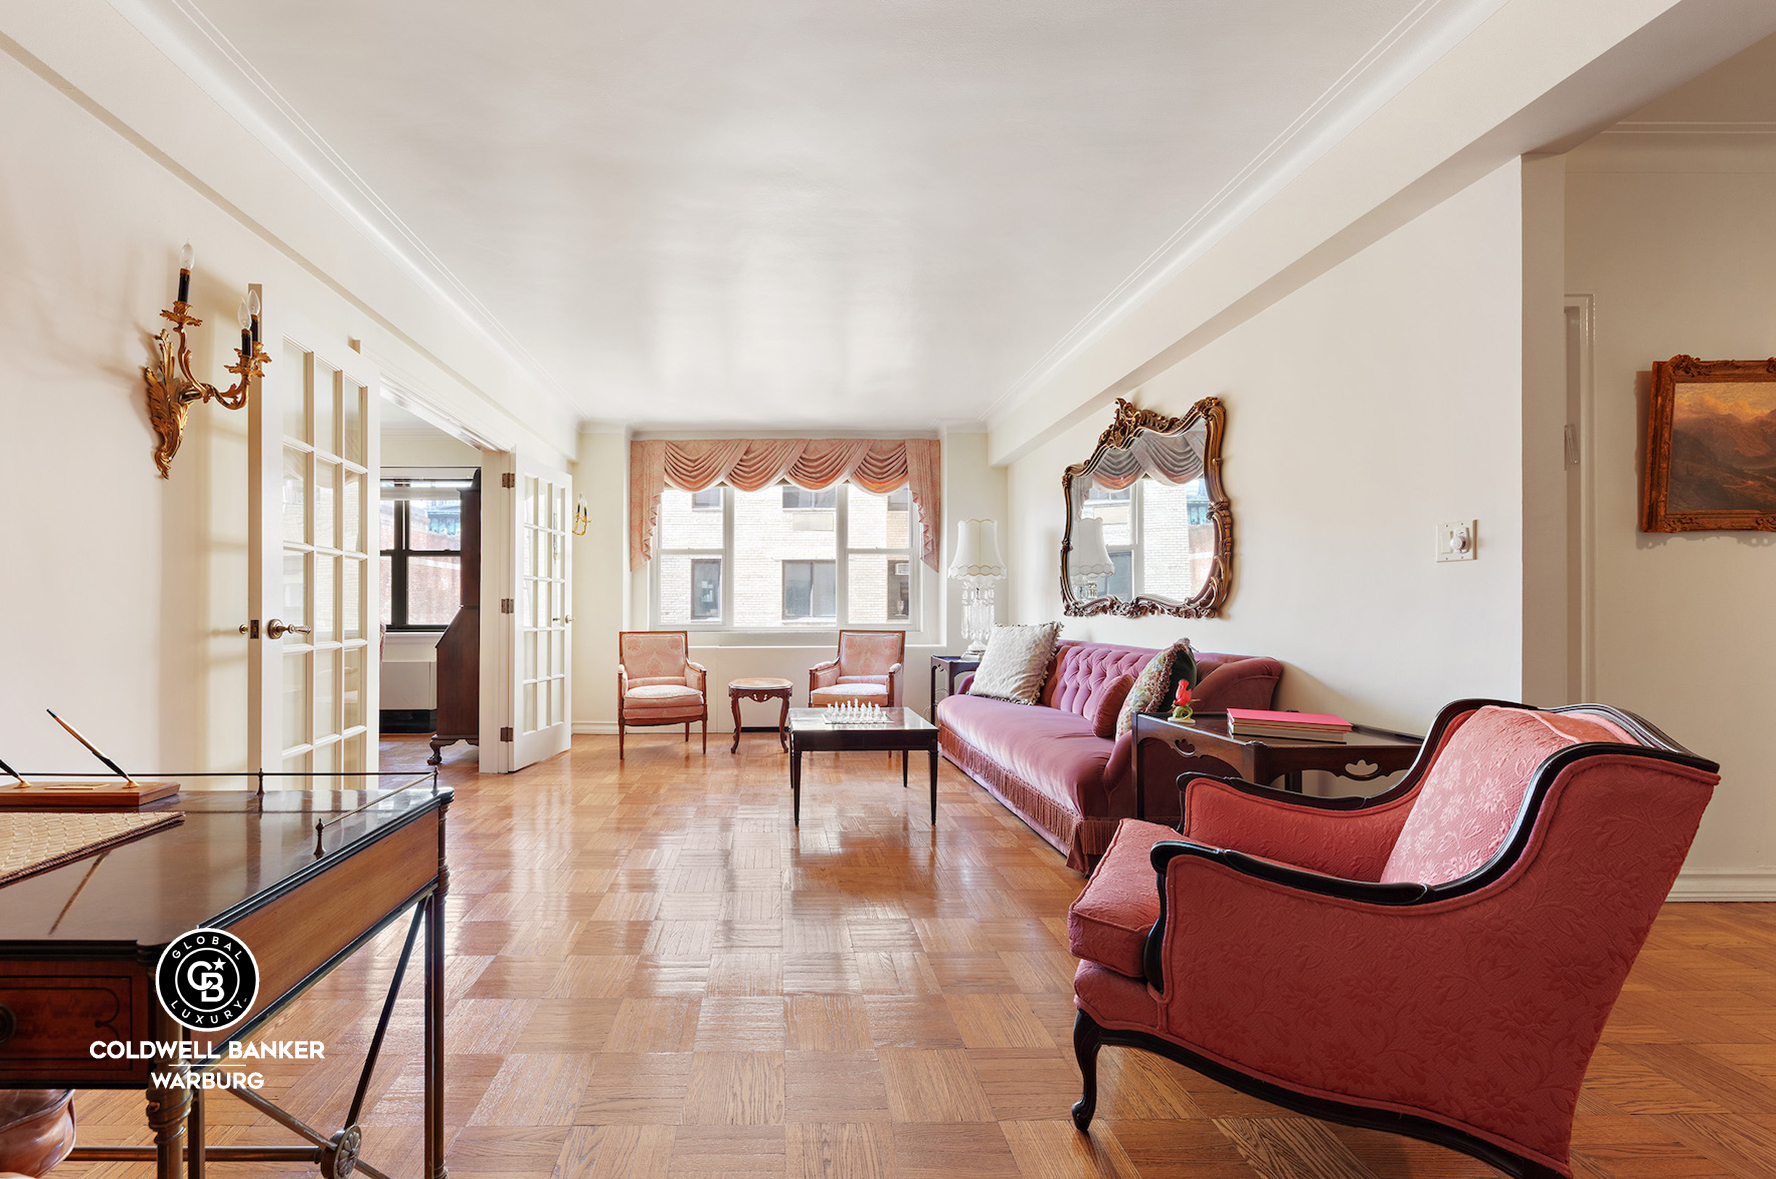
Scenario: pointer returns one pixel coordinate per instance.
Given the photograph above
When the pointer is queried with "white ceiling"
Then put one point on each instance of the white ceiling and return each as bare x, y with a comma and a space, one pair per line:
733, 213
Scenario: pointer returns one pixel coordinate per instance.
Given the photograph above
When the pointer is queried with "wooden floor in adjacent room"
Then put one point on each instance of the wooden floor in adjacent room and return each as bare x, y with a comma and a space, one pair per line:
653, 973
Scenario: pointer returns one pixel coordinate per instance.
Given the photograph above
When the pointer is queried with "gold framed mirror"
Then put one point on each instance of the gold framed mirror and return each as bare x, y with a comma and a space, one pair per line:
1149, 526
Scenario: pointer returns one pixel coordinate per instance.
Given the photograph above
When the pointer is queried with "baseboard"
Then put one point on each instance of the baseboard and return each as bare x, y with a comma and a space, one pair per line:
1725, 884
609, 729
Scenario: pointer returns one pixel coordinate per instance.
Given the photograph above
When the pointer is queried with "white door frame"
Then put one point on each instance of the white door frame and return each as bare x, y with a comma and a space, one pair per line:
1581, 454
553, 701
499, 518
266, 739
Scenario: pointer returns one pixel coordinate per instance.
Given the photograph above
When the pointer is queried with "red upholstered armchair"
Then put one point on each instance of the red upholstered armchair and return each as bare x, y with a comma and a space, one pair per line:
867, 670
1437, 960
657, 684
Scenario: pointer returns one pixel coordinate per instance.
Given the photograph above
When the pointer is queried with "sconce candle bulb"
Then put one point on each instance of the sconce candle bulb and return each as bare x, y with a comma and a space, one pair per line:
172, 388
187, 259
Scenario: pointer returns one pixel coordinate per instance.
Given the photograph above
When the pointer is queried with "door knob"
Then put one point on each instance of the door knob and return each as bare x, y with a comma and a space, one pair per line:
250, 629
277, 629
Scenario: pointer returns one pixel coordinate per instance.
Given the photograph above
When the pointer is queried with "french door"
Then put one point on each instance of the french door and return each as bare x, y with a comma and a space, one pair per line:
312, 552
541, 623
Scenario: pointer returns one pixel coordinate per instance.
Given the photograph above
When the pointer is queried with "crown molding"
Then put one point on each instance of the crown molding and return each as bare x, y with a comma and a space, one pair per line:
1415, 42
679, 433
200, 50
1650, 127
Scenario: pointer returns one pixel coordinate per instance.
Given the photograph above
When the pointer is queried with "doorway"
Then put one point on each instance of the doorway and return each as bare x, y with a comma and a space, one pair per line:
430, 571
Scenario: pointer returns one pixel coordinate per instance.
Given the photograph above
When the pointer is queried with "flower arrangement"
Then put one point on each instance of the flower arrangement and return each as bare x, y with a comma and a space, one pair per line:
1181, 710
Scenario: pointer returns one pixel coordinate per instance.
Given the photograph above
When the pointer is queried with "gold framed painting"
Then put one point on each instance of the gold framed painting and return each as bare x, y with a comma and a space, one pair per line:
1710, 446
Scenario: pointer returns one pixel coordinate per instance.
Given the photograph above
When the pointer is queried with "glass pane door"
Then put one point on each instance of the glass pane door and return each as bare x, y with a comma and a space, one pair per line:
317, 612
543, 707
542, 625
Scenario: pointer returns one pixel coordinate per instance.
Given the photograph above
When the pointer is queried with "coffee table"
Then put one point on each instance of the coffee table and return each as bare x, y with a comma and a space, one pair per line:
811, 730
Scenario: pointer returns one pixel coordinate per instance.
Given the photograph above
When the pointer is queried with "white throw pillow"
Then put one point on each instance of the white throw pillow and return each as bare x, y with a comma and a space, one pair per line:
1015, 664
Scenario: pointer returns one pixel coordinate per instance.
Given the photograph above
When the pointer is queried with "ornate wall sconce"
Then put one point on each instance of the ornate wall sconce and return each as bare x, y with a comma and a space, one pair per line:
171, 387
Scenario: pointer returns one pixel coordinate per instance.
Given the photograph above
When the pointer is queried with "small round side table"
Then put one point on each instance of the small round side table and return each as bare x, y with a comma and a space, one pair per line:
761, 689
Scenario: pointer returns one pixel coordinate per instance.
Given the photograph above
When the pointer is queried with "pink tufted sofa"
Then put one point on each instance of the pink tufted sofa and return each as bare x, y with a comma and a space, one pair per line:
1049, 768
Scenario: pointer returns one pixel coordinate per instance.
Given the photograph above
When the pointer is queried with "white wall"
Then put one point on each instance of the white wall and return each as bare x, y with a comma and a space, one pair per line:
123, 592
1376, 401
1537, 76
1674, 237
601, 578
429, 448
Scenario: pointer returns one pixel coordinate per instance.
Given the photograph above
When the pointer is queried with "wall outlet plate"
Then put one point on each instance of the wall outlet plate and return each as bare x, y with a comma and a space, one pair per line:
1457, 540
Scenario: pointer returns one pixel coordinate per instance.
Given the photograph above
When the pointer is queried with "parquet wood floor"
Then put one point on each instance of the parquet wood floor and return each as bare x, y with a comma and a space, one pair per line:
653, 974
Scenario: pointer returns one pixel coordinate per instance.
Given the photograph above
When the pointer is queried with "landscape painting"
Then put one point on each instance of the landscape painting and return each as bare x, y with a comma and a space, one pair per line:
1711, 446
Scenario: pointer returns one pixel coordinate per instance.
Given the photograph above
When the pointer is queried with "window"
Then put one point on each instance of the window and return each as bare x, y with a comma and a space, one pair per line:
810, 591
706, 586
1122, 582
707, 500
421, 552
899, 593
800, 499
785, 557
1160, 536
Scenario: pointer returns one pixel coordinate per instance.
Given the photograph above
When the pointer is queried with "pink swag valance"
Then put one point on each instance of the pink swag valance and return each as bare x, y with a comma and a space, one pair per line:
752, 463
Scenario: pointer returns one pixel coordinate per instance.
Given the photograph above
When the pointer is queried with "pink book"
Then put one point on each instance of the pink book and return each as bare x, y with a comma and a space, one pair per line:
1264, 716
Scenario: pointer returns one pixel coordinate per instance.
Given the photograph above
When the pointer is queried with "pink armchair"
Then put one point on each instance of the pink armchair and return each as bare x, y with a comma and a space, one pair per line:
657, 684
867, 670
1436, 961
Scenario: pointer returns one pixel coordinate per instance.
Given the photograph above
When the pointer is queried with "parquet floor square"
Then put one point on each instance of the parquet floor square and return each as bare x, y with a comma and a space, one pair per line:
654, 975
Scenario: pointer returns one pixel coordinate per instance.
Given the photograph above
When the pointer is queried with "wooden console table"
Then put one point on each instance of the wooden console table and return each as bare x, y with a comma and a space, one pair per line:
79, 945
761, 690
1263, 759
952, 666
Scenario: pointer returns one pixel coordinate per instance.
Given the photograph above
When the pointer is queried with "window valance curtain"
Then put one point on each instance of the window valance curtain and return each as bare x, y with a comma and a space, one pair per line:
876, 465
1169, 458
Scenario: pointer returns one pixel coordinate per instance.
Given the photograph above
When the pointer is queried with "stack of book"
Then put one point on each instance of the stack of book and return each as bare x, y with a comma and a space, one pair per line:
1303, 726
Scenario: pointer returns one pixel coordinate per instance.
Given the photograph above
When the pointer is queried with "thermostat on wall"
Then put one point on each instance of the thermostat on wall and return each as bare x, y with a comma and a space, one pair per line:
1456, 540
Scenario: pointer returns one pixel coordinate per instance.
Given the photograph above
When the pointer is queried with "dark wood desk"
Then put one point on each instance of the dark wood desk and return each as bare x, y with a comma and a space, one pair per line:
810, 731
952, 666
79, 944
1262, 759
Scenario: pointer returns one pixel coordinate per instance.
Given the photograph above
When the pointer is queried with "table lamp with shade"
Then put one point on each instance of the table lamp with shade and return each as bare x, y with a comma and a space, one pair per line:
977, 565
1089, 566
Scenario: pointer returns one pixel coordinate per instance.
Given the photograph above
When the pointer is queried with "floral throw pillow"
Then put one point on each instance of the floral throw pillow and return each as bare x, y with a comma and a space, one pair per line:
1157, 684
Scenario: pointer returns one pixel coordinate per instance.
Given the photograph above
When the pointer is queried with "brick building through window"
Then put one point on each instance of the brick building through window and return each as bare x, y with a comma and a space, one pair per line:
785, 557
